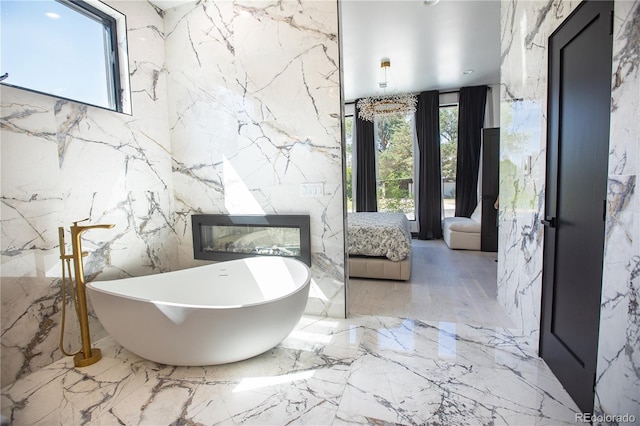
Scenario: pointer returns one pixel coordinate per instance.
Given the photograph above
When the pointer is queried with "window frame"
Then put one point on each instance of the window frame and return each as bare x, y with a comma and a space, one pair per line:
446, 99
111, 26
115, 85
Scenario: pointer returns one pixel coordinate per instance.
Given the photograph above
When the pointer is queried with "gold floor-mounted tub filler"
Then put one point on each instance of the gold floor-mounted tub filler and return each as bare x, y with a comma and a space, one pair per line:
87, 355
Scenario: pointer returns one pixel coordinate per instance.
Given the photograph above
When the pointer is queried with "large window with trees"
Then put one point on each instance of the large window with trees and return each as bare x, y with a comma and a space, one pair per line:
448, 157
395, 164
395, 143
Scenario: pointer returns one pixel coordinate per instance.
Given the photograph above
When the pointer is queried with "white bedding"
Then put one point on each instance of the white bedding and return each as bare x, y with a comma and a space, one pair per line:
379, 234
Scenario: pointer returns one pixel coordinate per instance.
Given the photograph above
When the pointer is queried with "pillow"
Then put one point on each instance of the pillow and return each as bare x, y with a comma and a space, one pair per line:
477, 213
462, 224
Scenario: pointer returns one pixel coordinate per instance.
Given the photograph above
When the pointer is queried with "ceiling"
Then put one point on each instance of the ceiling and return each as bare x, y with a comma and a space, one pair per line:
429, 45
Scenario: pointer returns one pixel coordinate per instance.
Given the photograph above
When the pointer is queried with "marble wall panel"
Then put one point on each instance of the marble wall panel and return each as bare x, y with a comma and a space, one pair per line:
256, 115
63, 162
618, 375
526, 27
241, 144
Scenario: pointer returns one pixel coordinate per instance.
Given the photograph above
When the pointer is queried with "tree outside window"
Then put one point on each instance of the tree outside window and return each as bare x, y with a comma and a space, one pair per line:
394, 141
448, 157
348, 131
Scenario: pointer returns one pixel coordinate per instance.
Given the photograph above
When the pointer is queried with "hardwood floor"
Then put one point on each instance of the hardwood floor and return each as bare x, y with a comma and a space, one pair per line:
446, 285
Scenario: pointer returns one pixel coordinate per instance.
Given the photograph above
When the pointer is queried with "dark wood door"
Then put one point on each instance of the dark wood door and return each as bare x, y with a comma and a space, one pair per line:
576, 185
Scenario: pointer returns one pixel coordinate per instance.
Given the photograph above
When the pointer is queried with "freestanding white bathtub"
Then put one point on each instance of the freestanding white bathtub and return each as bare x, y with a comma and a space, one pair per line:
213, 314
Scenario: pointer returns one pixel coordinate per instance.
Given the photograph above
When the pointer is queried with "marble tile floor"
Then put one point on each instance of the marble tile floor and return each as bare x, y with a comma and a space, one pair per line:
445, 285
361, 370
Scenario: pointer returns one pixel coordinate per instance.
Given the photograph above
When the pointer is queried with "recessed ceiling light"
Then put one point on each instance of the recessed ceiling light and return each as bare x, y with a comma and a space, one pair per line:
52, 15
467, 71
430, 2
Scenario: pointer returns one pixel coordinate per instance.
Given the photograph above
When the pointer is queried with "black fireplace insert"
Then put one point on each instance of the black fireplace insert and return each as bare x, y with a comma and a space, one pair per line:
227, 237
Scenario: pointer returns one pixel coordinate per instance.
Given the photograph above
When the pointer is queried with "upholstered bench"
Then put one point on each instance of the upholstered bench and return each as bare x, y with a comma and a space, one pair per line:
463, 232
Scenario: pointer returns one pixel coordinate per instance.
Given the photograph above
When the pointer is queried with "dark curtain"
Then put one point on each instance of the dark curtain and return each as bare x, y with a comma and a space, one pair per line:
471, 107
366, 199
429, 190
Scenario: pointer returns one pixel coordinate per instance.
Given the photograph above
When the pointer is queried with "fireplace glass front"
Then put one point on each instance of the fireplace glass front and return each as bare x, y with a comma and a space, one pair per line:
226, 237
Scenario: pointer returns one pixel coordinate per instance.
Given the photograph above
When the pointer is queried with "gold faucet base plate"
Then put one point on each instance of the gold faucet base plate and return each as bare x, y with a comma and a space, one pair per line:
80, 361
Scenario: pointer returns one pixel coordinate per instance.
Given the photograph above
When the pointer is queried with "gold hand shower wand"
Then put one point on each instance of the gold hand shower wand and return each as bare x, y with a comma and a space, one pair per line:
66, 259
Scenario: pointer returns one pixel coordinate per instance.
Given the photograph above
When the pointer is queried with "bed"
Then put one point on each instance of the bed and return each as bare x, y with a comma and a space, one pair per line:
379, 245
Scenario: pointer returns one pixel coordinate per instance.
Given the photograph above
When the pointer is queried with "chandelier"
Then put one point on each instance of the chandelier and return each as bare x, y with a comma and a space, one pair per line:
385, 105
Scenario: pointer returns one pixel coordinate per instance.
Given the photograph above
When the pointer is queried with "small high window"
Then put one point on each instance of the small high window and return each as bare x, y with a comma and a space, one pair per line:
64, 48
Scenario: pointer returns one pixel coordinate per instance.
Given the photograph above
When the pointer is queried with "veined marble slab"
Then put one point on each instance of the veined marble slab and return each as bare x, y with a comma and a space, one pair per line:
360, 370
234, 105
526, 26
618, 372
254, 114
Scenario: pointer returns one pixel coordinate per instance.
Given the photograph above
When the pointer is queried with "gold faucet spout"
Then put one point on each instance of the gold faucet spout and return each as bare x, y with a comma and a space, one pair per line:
79, 229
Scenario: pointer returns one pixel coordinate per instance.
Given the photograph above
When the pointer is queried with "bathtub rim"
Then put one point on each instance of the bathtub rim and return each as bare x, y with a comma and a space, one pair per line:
90, 285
